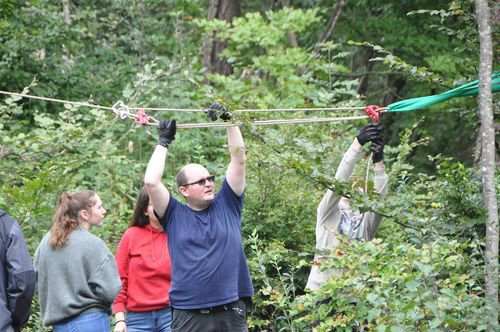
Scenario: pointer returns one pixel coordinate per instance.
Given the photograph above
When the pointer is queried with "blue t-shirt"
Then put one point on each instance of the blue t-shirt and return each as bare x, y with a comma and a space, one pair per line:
208, 262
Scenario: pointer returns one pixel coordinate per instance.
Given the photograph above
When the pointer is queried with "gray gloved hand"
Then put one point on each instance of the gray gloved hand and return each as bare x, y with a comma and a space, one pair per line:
166, 132
377, 149
369, 133
218, 111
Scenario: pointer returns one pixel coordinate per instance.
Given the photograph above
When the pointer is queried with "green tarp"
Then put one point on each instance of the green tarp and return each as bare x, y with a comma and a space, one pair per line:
469, 89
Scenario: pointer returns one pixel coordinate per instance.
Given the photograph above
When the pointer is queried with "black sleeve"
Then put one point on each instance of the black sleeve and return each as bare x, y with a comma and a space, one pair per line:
21, 278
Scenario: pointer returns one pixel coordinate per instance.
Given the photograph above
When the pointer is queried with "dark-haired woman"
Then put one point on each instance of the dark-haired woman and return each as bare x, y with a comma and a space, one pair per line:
144, 266
77, 276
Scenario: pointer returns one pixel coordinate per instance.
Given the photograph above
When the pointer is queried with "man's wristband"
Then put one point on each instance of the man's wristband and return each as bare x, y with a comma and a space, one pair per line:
119, 321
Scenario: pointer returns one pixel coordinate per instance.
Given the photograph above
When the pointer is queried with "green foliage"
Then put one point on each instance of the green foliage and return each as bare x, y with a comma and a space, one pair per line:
392, 286
276, 281
463, 31
97, 53
72, 149
268, 67
424, 273
397, 64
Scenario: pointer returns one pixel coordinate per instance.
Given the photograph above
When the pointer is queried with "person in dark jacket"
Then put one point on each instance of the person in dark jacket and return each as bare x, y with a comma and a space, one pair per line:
17, 276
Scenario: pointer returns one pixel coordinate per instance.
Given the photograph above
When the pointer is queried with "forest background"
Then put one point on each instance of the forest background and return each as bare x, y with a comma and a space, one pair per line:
426, 269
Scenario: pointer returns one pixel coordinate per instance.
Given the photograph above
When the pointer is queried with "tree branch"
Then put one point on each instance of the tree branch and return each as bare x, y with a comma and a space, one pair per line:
332, 23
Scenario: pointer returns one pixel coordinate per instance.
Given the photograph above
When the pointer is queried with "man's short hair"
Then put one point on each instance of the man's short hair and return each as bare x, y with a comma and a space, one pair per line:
181, 177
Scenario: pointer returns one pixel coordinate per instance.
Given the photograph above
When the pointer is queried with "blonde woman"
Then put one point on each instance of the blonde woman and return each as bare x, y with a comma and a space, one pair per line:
77, 275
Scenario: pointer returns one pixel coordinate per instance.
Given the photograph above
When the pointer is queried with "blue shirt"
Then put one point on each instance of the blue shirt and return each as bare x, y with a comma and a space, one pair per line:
208, 262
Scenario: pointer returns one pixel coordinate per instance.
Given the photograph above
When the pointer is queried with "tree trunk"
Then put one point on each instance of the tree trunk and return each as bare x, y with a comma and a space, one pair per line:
222, 10
488, 159
65, 6
363, 83
332, 22
276, 5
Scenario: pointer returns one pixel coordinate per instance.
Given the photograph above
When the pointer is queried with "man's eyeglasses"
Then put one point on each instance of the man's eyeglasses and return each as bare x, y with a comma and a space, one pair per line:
201, 182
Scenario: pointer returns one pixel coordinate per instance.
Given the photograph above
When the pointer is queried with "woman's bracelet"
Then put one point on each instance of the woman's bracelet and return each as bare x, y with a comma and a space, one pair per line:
119, 321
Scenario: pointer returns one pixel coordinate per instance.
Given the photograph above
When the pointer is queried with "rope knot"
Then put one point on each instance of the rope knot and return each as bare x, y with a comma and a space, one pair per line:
120, 109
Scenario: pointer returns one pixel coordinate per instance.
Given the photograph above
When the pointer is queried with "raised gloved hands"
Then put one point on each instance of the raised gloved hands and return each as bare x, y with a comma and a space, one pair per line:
369, 133
377, 149
166, 132
215, 111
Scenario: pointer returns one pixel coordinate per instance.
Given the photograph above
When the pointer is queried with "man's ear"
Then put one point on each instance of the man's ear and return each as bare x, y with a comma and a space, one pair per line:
183, 191
84, 214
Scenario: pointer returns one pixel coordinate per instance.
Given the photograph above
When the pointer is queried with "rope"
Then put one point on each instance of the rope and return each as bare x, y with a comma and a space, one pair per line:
346, 108
323, 109
206, 125
77, 103
268, 122
368, 163
123, 111
334, 109
156, 109
295, 121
